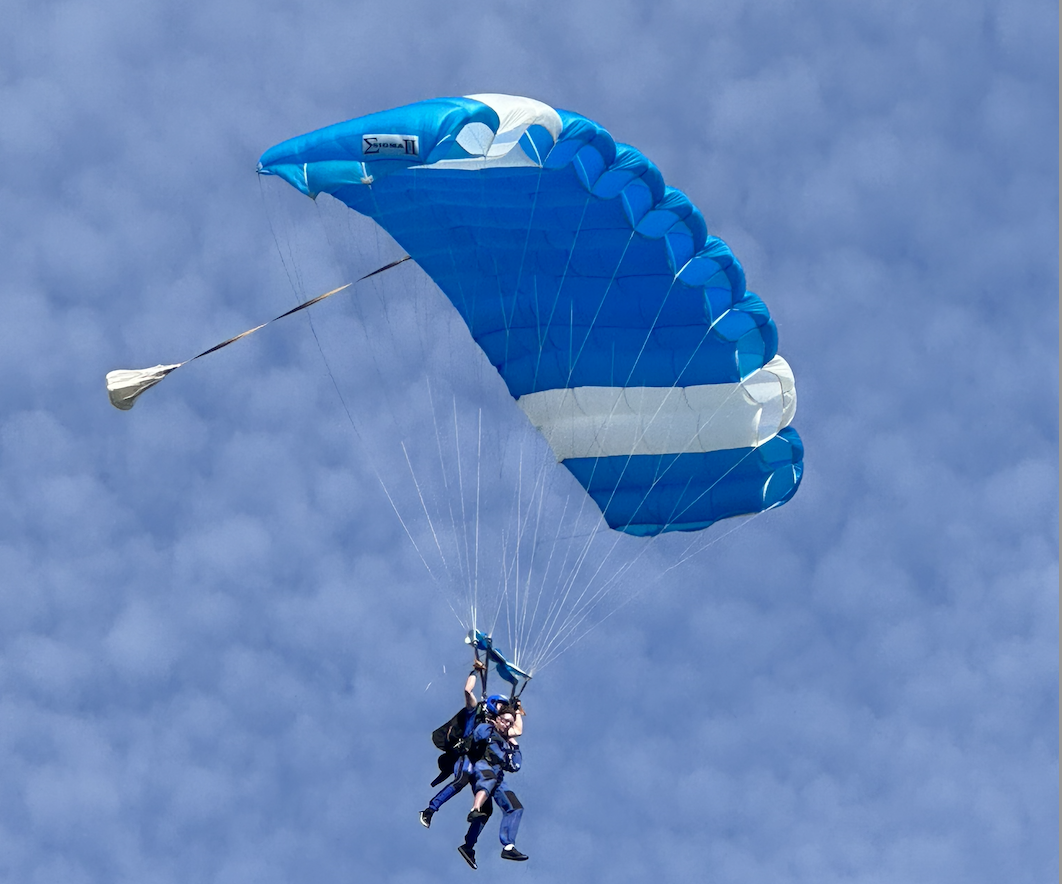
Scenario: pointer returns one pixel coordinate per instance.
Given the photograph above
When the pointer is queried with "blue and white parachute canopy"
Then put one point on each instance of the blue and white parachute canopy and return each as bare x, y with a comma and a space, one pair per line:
622, 329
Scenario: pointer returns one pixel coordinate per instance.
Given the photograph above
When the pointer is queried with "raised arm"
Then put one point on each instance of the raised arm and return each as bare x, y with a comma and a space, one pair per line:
518, 719
470, 685
518, 724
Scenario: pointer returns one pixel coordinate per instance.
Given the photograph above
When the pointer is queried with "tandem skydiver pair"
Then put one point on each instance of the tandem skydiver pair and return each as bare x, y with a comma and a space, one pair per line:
481, 743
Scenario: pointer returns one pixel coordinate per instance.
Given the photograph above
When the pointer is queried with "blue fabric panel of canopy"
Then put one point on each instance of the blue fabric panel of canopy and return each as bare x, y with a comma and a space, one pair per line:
572, 265
647, 494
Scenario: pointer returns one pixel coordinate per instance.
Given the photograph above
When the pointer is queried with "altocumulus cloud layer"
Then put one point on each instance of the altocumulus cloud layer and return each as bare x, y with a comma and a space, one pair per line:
214, 637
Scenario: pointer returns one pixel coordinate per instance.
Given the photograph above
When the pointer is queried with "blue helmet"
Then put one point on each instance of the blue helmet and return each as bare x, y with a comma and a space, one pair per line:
494, 701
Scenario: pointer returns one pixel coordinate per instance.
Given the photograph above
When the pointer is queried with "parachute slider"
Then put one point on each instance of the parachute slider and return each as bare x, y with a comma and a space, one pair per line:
124, 385
506, 670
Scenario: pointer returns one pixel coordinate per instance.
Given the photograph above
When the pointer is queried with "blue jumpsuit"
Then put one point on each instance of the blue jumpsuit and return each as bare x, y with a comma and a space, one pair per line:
488, 776
462, 771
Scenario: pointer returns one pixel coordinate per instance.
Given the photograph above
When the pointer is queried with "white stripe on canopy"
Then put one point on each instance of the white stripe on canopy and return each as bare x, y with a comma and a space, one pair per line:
619, 421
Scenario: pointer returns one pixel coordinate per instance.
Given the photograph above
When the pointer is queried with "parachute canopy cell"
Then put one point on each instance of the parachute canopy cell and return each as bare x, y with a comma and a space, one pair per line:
619, 325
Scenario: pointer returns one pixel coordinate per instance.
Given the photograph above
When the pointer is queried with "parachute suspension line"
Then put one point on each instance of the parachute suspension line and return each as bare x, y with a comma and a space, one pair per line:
469, 578
558, 633
379, 478
732, 467
552, 608
522, 587
520, 596
510, 599
564, 634
402, 522
630, 375
558, 527
581, 609
587, 599
537, 501
575, 572
572, 574
678, 379
686, 556
456, 575
658, 478
469, 559
518, 607
597, 312
290, 268
571, 630
470, 590
424, 506
574, 358
556, 300
584, 604
702, 543
523, 260
510, 540
556, 625
538, 575
528, 577
442, 465
376, 471
567, 577
479, 466
505, 575
508, 566
516, 588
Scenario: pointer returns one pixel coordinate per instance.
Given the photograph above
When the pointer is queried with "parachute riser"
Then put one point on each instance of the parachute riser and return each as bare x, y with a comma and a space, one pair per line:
482, 674
520, 690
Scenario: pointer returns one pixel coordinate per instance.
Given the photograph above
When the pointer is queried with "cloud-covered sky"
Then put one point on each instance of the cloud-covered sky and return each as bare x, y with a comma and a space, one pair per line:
215, 636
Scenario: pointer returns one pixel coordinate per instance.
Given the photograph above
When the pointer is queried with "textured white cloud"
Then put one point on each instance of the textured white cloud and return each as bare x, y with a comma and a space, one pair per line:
215, 635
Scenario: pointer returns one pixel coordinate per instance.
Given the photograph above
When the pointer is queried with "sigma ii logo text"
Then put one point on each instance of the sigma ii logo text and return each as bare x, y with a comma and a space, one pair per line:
390, 145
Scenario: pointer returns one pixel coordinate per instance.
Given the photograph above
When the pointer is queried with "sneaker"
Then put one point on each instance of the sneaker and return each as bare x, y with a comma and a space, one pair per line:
425, 817
512, 853
468, 854
475, 816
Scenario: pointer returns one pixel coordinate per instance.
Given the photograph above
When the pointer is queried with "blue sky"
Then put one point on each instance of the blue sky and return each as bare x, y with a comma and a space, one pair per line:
215, 637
